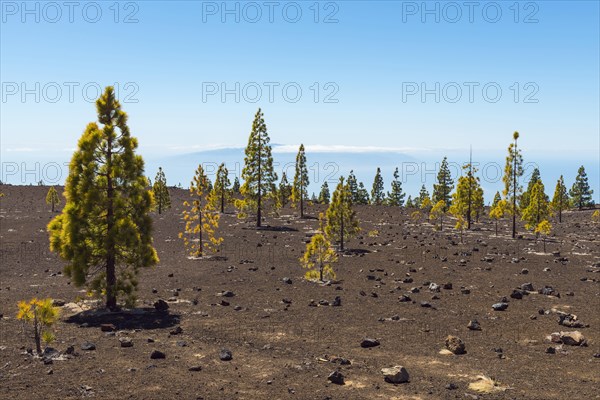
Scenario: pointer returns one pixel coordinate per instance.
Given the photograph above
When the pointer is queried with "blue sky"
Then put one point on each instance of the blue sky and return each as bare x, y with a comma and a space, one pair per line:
371, 61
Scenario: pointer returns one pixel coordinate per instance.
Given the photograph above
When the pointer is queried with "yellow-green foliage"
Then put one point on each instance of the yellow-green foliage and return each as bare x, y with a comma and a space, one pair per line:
318, 258
425, 203
200, 218
596, 216
543, 228
538, 208
499, 210
52, 197
162, 200
373, 233
415, 216
437, 213
42, 315
341, 219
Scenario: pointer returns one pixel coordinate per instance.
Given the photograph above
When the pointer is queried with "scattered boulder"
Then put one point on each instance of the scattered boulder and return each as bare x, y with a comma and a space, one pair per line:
157, 354
195, 368
337, 301
397, 374
434, 287
226, 293
516, 294
404, 298
527, 286
366, 343
455, 345
107, 328
287, 280
126, 342
225, 355
88, 346
500, 306
336, 377
574, 338
474, 325
58, 303
549, 291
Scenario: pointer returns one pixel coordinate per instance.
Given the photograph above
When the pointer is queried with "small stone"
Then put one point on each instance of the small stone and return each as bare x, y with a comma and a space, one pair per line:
434, 287
161, 305
126, 342
465, 291
527, 286
287, 280
336, 377
500, 306
551, 350
366, 343
397, 374
425, 304
58, 303
49, 372
156, 354
226, 293
516, 294
225, 355
455, 345
404, 298
474, 325
451, 386
337, 301
447, 286
88, 346
107, 328
195, 368
524, 271
176, 331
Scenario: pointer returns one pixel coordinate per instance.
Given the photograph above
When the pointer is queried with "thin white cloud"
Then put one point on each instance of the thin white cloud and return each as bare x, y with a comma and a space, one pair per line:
341, 148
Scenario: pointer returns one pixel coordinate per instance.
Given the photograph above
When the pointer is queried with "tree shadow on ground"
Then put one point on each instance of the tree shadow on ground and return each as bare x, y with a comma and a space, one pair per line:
137, 318
355, 252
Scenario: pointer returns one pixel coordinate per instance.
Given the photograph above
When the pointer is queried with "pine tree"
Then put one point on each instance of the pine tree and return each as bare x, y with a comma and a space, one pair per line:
535, 177
200, 218
353, 187
162, 200
52, 197
259, 176
544, 228
342, 223
581, 194
497, 198
42, 314
221, 193
498, 210
301, 182
560, 200
437, 213
478, 203
443, 189
324, 196
396, 196
377, 193
466, 198
512, 172
285, 190
236, 186
423, 194
105, 222
409, 202
538, 208
318, 259
363, 194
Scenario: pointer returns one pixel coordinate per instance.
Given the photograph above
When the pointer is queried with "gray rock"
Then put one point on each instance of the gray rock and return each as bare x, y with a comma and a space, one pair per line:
500, 306
161, 305
88, 346
397, 374
455, 345
336, 377
366, 343
225, 355
474, 325
156, 355
126, 342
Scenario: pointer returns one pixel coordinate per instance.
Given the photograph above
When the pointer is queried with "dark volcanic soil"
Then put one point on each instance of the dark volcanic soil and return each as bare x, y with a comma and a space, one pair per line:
281, 351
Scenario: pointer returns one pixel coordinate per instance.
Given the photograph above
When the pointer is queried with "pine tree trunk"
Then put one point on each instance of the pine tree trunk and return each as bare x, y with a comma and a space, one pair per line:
514, 216
159, 206
342, 231
38, 342
200, 230
111, 278
258, 214
301, 197
52, 205
222, 199
496, 227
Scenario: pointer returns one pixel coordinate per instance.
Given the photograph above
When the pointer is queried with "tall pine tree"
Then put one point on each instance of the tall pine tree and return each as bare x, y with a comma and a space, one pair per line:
560, 200
535, 178
513, 170
466, 198
301, 182
581, 194
220, 191
353, 187
342, 223
259, 176
201, 218
396, 196
104, 231
538, 208
285, 190
162, 200
377, 193
442, 191
324, 195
